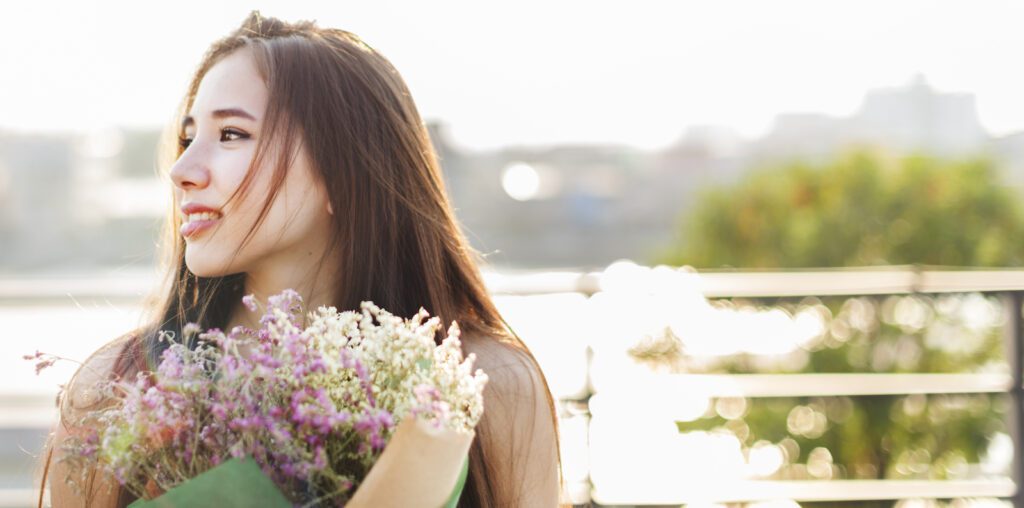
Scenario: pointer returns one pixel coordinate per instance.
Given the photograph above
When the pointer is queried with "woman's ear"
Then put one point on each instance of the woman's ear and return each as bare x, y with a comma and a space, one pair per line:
330, 210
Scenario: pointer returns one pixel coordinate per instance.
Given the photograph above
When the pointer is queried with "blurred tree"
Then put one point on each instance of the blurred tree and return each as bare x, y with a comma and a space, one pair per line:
866, 208
863, 208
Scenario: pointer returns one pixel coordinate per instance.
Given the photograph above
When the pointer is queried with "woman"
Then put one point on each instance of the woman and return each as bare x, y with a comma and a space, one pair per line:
301, 162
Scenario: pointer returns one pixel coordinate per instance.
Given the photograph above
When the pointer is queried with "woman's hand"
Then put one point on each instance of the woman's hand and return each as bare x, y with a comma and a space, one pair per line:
153, 491
419, 467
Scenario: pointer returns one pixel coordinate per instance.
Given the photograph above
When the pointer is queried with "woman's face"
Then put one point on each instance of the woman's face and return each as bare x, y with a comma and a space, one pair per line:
221, 132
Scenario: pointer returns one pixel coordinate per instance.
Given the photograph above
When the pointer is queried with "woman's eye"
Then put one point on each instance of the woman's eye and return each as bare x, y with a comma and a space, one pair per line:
232, 135
225, 135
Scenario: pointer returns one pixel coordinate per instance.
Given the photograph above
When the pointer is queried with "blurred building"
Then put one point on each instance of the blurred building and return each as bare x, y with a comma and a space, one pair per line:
76, 201
914, 117
36, 188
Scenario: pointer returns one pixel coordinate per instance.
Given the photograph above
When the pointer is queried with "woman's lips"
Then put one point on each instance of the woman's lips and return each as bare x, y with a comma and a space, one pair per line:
193, 228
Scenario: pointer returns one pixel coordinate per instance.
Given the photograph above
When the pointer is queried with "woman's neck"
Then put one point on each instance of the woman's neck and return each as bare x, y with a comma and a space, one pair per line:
316, 290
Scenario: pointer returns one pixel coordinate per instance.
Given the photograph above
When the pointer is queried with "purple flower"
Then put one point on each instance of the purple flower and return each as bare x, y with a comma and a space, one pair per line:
372, 424
44, 364
38, 354
270, 398
250, 302
319, 458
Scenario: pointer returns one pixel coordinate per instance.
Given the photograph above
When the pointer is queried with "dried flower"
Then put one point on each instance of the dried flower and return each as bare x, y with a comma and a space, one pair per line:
314, 406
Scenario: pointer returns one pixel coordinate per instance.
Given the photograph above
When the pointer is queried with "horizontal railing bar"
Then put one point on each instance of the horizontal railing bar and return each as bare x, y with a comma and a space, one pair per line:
119, 288
844, 282
806, 385
32, 411
36, 411
28, 411
803, 490
796, 490
20, 498
781, 283
541, 282
713, 284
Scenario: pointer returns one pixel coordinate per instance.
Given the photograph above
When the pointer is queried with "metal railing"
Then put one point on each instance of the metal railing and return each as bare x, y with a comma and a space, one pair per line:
759, 286
1007, 284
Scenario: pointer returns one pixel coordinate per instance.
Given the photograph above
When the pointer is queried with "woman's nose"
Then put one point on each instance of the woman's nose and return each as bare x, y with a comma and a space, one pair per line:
188, 171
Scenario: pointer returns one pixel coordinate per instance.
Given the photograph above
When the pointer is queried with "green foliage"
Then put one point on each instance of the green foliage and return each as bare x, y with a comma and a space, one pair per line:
878, 437
859, 209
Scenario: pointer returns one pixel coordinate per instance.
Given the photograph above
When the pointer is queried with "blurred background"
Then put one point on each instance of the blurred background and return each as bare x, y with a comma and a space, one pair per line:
767, 253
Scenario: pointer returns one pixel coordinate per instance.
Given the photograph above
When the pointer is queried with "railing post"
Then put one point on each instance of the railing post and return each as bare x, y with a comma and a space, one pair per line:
1015, 423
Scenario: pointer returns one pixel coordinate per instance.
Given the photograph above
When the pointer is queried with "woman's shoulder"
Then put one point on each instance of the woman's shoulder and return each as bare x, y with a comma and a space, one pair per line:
515, 381
518, 428
83, 391
499, 357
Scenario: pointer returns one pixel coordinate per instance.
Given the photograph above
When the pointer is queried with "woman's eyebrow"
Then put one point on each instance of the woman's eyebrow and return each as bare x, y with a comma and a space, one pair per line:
220, 113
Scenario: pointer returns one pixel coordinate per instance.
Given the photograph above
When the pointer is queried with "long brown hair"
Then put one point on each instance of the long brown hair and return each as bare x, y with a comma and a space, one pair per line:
347, 105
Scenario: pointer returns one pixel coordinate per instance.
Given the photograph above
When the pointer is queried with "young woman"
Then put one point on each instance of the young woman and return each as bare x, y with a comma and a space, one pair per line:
301, 162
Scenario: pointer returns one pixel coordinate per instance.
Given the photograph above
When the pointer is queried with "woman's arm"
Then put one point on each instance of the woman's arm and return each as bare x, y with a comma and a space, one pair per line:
101, 494
80, 394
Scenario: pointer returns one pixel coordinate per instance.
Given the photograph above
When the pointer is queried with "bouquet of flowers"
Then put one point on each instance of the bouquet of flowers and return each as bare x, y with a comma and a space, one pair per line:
308, 409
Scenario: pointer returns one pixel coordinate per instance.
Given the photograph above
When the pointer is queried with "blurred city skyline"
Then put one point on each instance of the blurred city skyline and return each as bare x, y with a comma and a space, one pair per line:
541, 74
92, 200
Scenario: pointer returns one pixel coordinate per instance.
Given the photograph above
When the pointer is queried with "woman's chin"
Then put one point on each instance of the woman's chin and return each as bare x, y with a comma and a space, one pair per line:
204, 268
206, 274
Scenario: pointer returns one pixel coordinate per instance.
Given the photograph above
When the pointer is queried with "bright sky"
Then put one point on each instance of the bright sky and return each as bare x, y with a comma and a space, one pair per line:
534, 71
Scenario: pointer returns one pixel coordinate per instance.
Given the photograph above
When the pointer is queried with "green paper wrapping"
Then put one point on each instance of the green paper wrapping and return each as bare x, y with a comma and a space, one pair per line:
235, 483
459, 485
241, 483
